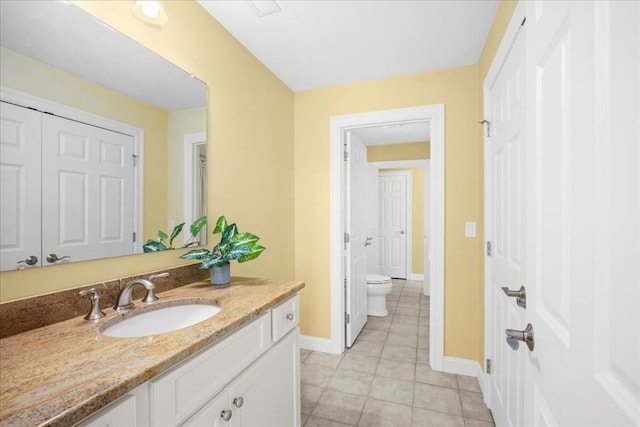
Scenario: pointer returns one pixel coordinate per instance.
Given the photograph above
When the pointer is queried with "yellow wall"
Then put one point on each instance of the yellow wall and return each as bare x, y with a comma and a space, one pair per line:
250, 122
457, 88
409, 151
38, 79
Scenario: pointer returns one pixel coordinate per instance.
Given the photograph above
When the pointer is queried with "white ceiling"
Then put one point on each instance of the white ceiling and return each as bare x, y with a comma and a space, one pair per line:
318, 43
396, 133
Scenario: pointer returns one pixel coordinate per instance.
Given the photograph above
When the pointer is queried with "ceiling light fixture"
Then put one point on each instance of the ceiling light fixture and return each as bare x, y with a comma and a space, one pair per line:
264, 7
150, 11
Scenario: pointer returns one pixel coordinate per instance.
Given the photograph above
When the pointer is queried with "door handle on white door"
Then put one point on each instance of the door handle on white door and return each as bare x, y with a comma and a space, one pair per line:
401, 231
30, 260
514, 337
520, 295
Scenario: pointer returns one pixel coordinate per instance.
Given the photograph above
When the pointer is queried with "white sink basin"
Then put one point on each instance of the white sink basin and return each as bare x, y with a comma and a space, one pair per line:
162, 320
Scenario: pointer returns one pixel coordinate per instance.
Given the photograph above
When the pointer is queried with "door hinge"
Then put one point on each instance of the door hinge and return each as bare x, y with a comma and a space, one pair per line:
135, 159
347, 318
488, 248
488, 366
346, 156
347, 238
134, 236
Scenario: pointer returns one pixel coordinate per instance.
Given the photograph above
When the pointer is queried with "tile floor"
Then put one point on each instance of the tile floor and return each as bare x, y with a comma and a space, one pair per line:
385, 379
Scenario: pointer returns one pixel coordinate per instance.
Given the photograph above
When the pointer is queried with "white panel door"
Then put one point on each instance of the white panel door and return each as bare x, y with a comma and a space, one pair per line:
371, 215
505, 151
583, 227
393, 224
87, 190
19, 186
356, 253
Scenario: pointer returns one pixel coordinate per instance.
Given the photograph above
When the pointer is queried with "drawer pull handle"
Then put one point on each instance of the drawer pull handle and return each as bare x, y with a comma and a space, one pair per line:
226, 414
238, 402
289, 316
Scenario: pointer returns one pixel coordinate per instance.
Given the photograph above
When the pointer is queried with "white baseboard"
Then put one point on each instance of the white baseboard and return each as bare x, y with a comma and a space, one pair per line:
455, 365
315, 344
414, 276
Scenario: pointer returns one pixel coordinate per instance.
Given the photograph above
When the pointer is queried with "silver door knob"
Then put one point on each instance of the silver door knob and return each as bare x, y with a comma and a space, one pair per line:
30, 260
52, 258
226, 414
238, 402
401, 231
520, 295
514, 337
289, 316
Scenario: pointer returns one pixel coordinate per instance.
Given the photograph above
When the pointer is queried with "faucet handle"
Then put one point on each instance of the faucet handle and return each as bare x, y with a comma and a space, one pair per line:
151, 293
94, 296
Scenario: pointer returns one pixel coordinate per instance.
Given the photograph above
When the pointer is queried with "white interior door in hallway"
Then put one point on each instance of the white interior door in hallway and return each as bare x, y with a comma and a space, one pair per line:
393, 223
356, 242
505, 157
581, 234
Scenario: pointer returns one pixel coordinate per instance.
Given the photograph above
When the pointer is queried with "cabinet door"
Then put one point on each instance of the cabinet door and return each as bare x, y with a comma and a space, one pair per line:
267, 394
213, 414
131, 410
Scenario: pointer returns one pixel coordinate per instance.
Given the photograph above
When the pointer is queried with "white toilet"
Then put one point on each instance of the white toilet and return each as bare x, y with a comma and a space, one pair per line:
378, 287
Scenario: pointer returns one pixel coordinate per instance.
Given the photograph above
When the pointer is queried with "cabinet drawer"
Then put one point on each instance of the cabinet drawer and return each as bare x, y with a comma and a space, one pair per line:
284, 317
178, 393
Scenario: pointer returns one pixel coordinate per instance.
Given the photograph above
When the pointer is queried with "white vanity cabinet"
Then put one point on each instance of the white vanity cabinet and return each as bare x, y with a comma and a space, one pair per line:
250, 378
130, 410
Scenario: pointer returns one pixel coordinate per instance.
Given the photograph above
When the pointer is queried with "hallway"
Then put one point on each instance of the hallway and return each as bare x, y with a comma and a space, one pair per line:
385, 379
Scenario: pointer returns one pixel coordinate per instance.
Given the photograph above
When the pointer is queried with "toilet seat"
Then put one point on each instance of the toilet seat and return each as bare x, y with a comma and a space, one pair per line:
376, 279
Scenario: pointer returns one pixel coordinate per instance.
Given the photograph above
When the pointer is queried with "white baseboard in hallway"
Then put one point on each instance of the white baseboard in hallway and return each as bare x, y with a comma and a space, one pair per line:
456, 365
315, 344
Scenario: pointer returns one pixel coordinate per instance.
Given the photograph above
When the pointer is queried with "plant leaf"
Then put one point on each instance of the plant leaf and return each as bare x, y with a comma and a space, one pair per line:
228, 233
153, 246
162, 235
255, 253
221, 224
196, 254
244, 239
176, 231
197, 225
237, 252
213, 262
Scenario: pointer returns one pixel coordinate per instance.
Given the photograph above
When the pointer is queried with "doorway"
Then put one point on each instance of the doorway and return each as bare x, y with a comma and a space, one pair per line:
340, 125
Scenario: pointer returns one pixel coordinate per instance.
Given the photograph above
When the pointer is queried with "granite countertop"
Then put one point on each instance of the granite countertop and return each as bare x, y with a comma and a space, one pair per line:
61, 373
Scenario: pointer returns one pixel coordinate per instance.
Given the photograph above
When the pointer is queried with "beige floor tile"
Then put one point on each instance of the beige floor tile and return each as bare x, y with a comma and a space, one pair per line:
309, 396
470, 422
392, 390
384, 414
473, 406
422, 356
304, 354
423, 342
468, 383
407, 340
351, 382
321, 422
436, 398
424, 374
317, 375
408, 311
427, 418
399, 352
369, 348
379, 323
398, 369
324, 359
359, 363
403, 328
373, 335
337, 406
402, 320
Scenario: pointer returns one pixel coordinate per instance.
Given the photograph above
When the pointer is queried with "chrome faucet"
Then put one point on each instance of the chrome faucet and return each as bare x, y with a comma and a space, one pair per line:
124, 301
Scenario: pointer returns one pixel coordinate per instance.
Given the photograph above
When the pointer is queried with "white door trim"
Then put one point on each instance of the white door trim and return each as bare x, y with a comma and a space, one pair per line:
494, 71
30, 101
408, 217
435, 114
191, 141
425, 165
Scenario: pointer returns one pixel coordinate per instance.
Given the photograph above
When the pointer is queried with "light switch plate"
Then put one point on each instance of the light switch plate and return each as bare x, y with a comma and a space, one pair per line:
470, 229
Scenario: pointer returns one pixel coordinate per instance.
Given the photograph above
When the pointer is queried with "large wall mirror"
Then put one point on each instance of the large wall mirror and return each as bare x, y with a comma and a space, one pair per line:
103, 141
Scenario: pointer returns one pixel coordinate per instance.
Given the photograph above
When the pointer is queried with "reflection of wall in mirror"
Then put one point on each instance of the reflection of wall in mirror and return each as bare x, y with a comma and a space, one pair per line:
38, 79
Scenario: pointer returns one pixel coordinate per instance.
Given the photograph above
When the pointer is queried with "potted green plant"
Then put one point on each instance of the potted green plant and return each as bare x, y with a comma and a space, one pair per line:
160, 243
233, 246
